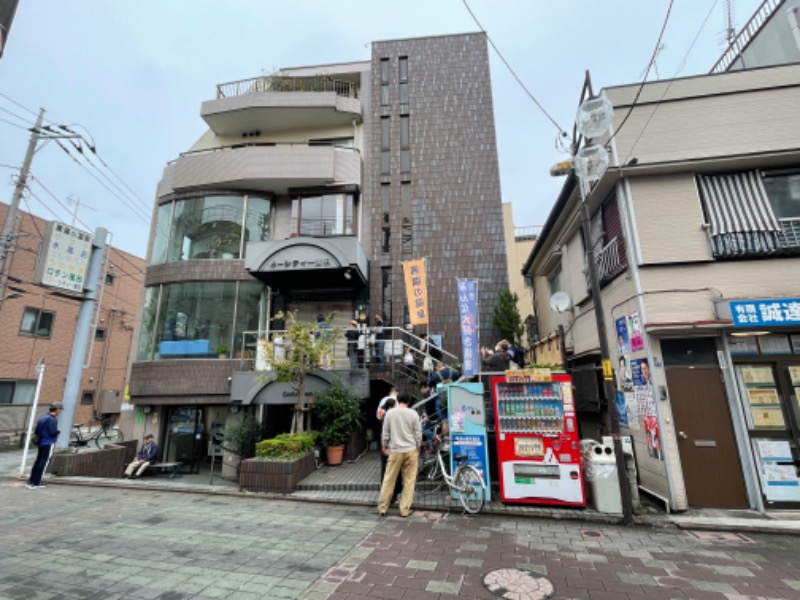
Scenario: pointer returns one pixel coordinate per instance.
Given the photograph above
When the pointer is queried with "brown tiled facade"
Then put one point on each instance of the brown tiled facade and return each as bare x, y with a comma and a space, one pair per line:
456, 210
20, 352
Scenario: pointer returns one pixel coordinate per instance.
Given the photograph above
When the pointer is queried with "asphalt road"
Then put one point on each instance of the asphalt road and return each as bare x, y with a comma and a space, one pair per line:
83, 542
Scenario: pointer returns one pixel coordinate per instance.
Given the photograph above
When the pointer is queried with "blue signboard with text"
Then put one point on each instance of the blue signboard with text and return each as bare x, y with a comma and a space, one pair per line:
778, 312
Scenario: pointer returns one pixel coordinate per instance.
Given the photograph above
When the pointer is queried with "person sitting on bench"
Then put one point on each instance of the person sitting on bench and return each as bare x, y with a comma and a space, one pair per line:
147, 455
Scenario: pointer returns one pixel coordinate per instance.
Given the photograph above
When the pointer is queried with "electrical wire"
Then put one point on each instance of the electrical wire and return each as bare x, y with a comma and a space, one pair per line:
14, 125
680, 68
647, 72
98, 180
23, 119
508, 66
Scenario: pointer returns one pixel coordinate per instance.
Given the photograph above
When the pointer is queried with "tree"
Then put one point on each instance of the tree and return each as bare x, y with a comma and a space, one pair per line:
309, 346
505, 316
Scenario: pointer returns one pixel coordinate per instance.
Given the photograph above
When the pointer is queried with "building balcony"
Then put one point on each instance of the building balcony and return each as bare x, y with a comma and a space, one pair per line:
278, 104
265, 167
610, 260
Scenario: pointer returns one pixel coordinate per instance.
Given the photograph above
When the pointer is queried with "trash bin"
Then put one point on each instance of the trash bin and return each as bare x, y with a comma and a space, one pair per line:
630, 463
600, 471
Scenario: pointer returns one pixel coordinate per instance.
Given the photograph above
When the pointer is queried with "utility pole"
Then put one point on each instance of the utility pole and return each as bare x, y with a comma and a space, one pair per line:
81, 339
8, 228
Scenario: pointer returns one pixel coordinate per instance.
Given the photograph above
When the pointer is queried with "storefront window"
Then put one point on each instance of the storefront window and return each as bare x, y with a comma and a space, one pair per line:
210, 227
196, 319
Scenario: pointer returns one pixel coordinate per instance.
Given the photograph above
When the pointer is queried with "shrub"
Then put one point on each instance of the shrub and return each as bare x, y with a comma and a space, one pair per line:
241, 437
338, 411
287, 446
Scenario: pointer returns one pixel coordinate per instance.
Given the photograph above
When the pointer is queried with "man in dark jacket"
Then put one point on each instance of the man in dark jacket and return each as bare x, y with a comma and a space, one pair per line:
47, 433
497, 361
147, 455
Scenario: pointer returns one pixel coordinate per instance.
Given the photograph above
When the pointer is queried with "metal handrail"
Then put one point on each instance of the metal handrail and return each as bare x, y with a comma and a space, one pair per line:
282, 83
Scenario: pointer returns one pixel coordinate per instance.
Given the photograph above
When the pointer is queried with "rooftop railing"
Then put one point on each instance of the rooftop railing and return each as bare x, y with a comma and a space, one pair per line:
276, 83
748, 32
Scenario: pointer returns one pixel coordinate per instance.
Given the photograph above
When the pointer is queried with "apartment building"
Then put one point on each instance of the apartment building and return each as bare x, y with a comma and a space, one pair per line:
696, 231
38, 323
309, 190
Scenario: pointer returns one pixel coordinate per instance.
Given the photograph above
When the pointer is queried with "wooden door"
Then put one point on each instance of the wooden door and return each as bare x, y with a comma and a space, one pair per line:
709, 457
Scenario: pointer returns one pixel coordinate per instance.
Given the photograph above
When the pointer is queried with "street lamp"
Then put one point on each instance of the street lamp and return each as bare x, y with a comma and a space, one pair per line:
591, 161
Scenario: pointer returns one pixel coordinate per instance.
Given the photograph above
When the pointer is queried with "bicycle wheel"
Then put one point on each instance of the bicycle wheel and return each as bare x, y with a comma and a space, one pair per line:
74, 440
468, 485
108, 436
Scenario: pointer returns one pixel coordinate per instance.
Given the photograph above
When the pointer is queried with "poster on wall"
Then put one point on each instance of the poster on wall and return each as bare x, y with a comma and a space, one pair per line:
776, 470
632, 410
623, 344
653, 437
640, 372
622, 410
624, 378
635, 332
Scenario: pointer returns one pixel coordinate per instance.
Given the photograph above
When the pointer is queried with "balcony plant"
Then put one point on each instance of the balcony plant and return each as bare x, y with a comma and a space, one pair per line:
337, 412
222, 351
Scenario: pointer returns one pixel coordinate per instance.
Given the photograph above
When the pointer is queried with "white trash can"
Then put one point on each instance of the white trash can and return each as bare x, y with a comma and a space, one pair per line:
600, 469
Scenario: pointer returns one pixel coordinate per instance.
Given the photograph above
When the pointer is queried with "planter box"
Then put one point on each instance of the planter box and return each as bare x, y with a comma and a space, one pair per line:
280, 476
108, 462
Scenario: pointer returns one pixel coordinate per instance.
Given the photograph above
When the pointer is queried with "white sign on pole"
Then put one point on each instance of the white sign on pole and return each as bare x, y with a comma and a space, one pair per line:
65, 257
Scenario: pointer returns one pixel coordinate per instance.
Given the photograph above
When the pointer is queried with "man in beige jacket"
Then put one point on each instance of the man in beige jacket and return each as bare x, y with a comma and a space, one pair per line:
400, 441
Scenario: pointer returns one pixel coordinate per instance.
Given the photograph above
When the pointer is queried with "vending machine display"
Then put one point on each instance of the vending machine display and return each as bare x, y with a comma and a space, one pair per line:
537, 439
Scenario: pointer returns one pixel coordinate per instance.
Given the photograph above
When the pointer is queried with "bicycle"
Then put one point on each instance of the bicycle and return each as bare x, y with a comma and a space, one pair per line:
102, 436
466, 482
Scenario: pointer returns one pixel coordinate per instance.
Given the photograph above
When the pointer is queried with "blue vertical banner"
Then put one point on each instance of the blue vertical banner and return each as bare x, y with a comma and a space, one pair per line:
468, 319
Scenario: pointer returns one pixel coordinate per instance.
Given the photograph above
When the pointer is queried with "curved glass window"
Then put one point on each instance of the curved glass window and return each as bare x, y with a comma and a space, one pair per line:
210, 227
199, 319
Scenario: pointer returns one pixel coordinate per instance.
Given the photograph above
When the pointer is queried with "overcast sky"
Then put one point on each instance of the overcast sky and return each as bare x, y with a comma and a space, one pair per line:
134, 74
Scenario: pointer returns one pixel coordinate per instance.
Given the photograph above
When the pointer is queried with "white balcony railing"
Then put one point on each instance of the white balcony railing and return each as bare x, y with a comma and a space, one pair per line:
274, 83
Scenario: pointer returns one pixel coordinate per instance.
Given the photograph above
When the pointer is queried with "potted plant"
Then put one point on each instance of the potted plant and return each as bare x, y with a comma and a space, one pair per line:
239, 442
337, 412
222, 351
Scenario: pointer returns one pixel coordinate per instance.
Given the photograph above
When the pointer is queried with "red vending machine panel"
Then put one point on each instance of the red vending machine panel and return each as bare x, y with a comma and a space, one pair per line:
538, 454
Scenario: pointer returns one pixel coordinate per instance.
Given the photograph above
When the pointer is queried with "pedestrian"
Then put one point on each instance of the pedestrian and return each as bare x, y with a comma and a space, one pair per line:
386, 404
46, 435
431, 417
497, 361
147, 455
379, 334
401, 440
443, 375
352, 335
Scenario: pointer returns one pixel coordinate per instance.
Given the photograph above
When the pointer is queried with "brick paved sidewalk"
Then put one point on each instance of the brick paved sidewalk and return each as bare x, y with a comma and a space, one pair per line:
440, 556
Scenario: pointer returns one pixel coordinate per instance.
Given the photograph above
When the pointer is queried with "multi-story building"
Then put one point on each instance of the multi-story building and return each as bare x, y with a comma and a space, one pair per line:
696, 232
38, 323
308, 191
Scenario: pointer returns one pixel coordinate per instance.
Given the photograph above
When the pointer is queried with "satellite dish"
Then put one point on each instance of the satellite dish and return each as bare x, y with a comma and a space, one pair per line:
560, 301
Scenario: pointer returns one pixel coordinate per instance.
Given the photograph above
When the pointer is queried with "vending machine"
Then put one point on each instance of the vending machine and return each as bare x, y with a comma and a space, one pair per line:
538, 453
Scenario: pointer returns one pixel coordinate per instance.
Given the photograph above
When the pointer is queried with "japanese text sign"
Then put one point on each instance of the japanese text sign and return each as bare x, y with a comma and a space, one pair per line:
416, 291
468, 320
781, 312
65, 259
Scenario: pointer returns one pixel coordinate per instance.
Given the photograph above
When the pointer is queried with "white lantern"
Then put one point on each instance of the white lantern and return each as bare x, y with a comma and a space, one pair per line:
594, 117
591, 162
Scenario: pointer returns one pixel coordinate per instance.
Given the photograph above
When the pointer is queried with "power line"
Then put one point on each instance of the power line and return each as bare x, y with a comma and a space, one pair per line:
666, 89
506, 63
647, 72
23, 119
14, 125
98, 180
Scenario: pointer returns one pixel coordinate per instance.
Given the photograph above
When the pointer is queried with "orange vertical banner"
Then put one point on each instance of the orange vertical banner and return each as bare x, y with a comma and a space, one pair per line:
416, 291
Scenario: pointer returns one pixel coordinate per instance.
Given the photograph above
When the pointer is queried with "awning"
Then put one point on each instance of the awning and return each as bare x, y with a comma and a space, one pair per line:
739, 214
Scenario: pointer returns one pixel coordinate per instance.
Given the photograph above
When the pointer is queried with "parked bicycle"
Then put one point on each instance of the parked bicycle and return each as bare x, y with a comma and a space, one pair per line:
466, 481
104, 435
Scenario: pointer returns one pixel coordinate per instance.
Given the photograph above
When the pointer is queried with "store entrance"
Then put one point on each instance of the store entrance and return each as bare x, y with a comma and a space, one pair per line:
770, 391
710, 461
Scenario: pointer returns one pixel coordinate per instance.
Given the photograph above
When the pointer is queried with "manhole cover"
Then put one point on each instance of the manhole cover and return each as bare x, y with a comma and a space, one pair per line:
591, 533
514, 584
721, 536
